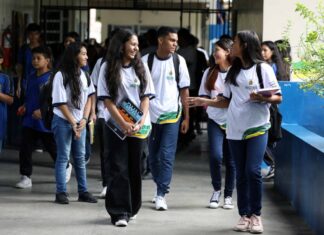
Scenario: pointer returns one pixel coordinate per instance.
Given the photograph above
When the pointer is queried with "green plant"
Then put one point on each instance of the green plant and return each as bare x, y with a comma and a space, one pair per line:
311, 64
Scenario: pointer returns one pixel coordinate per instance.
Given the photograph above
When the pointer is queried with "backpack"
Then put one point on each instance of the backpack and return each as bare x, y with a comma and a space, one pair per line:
45, 98
176, 63
275, 132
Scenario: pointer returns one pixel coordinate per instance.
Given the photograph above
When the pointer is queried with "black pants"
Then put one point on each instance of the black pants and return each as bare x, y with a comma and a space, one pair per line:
101, 138
124, 183
29, 139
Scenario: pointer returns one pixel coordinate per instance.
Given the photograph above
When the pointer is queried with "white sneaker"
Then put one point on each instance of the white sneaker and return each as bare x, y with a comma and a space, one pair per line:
133, 217
103, 192
214, 200
228, 204
121, 223
160, 203
68, 173
25, 182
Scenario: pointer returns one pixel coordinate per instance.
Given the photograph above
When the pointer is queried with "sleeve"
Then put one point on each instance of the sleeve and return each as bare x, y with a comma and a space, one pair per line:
150, 91
95, 72
269, 77
184, 80
59, 95
102, 89
9, 87
202, 90
145, 58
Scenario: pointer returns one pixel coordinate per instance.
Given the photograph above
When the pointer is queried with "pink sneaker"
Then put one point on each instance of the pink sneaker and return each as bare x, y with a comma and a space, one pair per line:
243, 224
256, 224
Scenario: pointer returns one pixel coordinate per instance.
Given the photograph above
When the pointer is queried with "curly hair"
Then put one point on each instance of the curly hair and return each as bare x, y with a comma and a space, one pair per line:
114, 59
71, 71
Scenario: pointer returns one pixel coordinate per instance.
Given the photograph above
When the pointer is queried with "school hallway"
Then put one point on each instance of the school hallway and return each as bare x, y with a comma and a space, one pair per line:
33, 211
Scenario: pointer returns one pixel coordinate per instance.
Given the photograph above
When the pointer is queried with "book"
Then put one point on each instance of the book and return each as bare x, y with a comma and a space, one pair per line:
267, 92
130, 113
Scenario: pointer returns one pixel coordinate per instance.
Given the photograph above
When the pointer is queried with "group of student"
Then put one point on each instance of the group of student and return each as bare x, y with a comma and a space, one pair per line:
238, 119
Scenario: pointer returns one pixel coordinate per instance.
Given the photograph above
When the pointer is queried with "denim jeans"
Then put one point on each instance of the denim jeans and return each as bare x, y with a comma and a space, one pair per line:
162, 149
218, 148
248, 155
66, 144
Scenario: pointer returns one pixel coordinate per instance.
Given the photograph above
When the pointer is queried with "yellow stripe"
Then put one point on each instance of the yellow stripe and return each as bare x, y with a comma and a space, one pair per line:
254, 135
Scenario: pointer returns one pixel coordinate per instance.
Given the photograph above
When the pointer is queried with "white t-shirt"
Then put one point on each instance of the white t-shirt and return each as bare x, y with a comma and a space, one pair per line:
247, 119
166, 107
218, 115
62, 95
130, 88
102, 111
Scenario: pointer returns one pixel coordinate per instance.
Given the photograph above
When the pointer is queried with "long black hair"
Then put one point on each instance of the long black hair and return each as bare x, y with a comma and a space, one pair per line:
284, 49
275, 59
114, 59
251, 54
226, 45
71, 71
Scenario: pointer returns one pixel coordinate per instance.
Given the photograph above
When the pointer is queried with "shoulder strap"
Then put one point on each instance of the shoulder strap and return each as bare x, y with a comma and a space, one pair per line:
88, 78
259, 73
150, 60
176, 63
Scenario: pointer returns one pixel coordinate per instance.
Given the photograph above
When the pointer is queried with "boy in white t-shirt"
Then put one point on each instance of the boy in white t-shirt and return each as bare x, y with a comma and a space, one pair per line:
165, 111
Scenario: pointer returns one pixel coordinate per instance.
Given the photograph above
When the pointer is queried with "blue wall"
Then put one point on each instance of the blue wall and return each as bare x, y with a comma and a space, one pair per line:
300, 154
301, 107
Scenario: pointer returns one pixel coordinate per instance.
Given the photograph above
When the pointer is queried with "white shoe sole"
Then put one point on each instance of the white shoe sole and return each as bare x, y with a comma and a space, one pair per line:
228, 207
121, 223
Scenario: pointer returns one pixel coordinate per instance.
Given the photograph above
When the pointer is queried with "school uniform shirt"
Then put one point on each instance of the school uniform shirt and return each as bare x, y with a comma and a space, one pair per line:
102, 111
62, 95
245, 118
167, 107
129, 88
218, 115
32, 101
6, 87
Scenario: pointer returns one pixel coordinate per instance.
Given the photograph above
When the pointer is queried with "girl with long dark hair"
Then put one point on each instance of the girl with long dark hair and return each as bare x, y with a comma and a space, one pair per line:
211, 86
271, 55
124, 76
248, 123
71, 100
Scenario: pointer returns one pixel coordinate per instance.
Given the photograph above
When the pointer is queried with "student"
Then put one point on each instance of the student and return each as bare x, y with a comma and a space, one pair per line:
284, 49
71, 100
24, 65
272, 56
33, 126
211, 86
247, 125
123, 75
6, 97
165, 111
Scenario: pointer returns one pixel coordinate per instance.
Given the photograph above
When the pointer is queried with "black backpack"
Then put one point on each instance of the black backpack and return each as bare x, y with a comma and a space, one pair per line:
45, 98
275, 132
176, 63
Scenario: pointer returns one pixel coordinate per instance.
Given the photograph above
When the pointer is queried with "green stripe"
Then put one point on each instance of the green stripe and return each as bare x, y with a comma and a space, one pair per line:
167, 116
255, 130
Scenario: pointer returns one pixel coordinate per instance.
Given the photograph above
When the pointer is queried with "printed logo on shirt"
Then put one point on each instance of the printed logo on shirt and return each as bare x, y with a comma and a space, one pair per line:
135, 83
170, 76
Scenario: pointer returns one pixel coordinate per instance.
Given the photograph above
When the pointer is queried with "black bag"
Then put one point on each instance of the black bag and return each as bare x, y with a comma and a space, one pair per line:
45, 102
274, 133
45, 99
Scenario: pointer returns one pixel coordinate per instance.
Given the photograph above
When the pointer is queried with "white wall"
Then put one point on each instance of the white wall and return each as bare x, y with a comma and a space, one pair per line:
277, 14
149, 18
7, 6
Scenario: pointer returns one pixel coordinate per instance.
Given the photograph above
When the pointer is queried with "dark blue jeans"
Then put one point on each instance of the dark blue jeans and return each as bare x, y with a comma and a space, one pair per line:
218, 148
162, 149
248, 155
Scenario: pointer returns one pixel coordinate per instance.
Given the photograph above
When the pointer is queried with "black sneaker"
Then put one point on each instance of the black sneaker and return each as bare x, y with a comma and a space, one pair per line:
87, 197
61, 198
